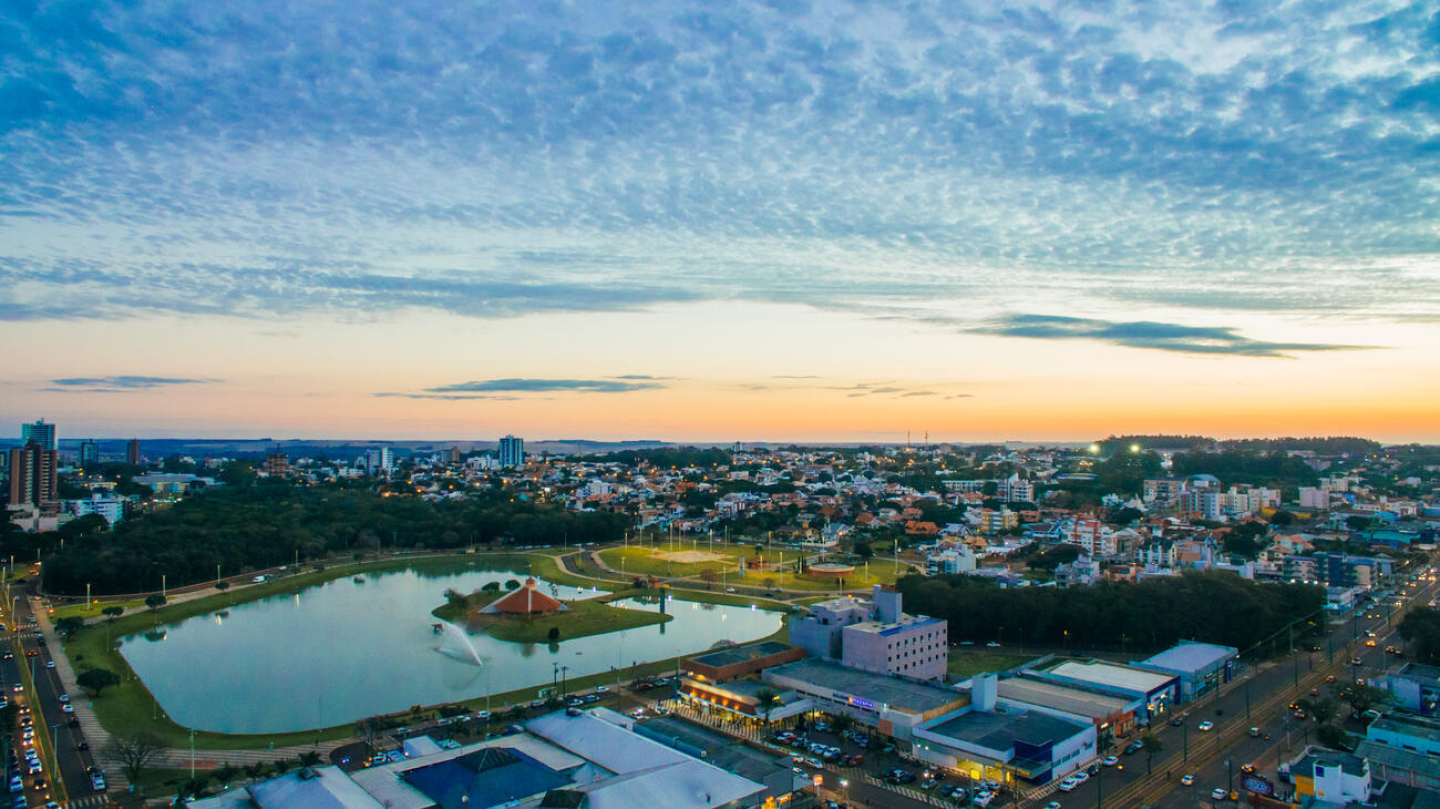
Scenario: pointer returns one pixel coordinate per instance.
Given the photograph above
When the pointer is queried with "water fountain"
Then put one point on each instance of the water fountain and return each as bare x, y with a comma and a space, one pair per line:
455, 642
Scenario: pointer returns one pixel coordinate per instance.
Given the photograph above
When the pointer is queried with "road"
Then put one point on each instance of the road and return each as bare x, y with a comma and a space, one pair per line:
42, 697
1260, 699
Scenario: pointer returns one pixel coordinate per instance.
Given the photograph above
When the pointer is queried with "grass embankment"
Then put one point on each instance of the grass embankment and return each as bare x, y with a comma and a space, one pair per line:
648, 560
964, 663
582, 619
93, 609
130, 708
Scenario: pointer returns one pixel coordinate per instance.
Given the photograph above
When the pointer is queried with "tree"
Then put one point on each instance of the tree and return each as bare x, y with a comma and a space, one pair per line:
1357, 522
113, 612
554, 634
1332, 737
222, 586
490, 587
96, 680
134, 753
310, 758
155, 601
767, 701
225, 773
1421, 631
863, 550
1282, 518
842, 722
1362, 698
512, 584
1153, 747
69, 625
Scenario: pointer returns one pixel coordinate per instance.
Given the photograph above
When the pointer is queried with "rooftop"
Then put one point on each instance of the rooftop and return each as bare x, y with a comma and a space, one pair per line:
1395, 758
1190, 657
1421, 727
741, 654
995, 730
486, 777
690, 783
1349, 763
1419, 671
1112, 675
905, 624
1061, 697
890, 691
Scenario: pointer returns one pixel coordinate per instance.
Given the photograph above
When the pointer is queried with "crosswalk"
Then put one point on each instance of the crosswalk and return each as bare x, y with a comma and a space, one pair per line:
89, 802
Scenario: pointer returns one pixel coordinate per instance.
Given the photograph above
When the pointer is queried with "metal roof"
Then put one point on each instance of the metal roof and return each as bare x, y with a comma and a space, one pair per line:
1190, 657
1112, 675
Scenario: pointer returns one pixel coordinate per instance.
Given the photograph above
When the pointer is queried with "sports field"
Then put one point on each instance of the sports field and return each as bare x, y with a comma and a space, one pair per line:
697, 559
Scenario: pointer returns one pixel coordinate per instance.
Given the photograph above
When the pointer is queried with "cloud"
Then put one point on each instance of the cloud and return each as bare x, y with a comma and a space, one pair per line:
1148, 334
275, 160
117, 384
643, 377
444, 397
545, 385
918, 393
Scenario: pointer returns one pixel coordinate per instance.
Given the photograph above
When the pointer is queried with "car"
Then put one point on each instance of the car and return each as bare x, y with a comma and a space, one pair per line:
983, 799
1329, 678
600, 689
1247, 768
1207, 725
18, 688
1218, 794
1080, 777
1134, 747
1255, 732
1370, 643
1053, 805
1110, 761
1177, 721
993, 645
814, 763
1069, 784
1188, 779
16, 785
592, 698
67, 709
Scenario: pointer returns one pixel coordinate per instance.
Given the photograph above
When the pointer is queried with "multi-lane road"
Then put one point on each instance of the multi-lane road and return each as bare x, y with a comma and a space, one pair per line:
1259, 699
55, 737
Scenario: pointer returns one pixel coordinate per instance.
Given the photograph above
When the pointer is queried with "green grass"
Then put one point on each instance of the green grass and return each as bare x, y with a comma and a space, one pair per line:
584, 618
92, 610
967, 662
641, 560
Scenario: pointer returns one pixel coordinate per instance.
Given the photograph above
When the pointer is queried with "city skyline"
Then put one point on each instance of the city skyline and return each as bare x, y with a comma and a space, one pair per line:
697, 222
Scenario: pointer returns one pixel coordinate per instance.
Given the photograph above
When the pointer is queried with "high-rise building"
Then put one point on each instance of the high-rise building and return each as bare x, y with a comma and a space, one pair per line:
89, 452
277, 464
33, 476
379, 461
512, 451
132, 453
39, 432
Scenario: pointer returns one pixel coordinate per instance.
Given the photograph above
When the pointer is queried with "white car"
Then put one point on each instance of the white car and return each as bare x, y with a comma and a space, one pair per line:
1207, 725
1218, 794
1069, 784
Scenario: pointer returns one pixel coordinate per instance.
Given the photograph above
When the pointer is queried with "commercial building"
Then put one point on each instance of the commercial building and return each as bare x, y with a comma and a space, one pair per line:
111, 508
1112, 716
987, 740
1330, 776
34, 477
565, 759
875, 636
277, 464
89, 452
951, 560
741, 661
132, 453
1416, 688
39, 432
1200, 666
1156, 691
1404, 748
892, 706
512, 452
379, 461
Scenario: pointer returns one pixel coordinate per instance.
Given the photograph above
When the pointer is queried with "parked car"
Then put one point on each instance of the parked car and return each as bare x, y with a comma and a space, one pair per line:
1134, 747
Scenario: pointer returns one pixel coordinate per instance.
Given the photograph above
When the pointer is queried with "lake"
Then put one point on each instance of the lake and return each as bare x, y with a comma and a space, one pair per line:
344, 650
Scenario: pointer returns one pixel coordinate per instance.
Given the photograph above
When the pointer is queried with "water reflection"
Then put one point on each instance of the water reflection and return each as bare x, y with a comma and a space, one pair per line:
343, 651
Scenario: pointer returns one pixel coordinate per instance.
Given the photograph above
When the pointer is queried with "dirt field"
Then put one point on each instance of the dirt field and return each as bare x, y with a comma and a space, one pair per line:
690, 557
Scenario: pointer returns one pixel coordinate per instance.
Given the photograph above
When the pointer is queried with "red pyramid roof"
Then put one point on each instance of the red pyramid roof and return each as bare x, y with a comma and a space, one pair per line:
527, 600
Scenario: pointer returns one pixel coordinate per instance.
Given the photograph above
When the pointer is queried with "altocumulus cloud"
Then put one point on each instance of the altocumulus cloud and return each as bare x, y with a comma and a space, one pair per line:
1147, 334
117, 384
367, 157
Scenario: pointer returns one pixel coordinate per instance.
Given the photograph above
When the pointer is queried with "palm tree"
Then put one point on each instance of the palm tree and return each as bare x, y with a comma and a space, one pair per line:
309, 758
842, 722
767, 701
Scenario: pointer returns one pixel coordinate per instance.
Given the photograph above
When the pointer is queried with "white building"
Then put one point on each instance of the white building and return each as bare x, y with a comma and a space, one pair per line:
111, 508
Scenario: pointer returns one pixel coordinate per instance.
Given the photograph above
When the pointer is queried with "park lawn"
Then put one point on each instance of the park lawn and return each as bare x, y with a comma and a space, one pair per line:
584, 618
92, 610
637, 559
967, 662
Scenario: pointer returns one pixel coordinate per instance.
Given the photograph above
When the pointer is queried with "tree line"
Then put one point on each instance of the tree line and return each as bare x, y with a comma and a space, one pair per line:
1212, 606
244, 528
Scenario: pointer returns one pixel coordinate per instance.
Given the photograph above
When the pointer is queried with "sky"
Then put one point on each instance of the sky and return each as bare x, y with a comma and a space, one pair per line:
778, 221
